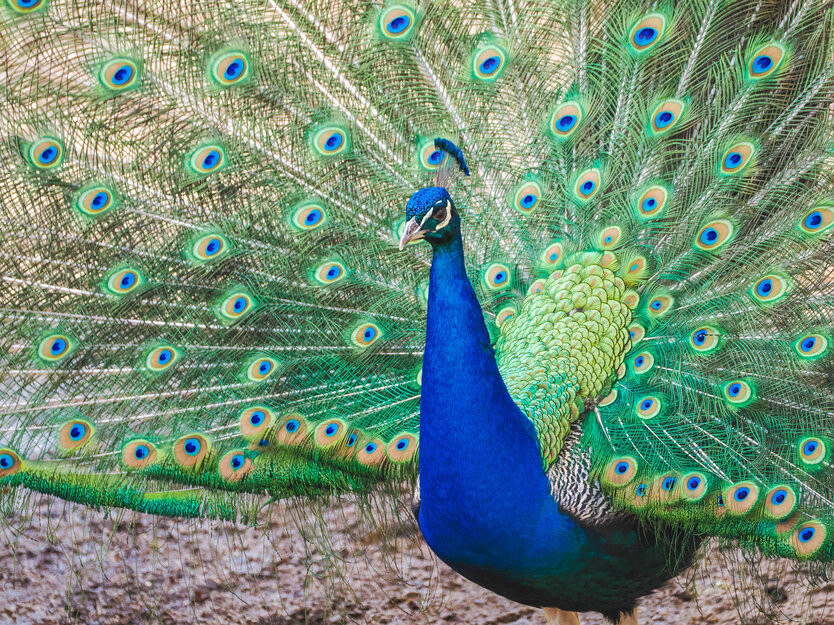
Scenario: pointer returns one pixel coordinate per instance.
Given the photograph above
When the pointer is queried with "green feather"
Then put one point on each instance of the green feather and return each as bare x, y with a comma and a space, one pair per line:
160, 169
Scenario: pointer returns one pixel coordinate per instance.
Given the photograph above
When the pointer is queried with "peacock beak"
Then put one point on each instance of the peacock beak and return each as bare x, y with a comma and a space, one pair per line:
413, 232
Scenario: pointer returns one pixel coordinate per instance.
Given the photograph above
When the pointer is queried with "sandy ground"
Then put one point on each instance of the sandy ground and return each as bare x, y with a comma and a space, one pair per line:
72, 565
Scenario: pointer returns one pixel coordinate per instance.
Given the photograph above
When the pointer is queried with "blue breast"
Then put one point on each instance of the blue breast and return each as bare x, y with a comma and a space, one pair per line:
486, 506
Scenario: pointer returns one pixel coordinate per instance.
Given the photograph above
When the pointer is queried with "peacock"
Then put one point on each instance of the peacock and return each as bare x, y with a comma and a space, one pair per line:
564, 266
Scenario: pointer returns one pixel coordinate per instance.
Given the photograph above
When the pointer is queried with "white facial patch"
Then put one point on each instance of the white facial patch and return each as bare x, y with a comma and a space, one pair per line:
445, 222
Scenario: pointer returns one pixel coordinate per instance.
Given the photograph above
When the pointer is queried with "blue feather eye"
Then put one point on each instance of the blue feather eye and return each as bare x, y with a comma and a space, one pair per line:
94, 200
705, 339
587, 184
761, 64
740, 498
402, 448
660, 305
119, 74
138, 454
663, 119
260, 368
365, 334
27, 6
765, 61
812, 450
609, 237
737, 158
526, 197
254, 422
206, 159
738, 392
234, 306
371, 453
191, 449
808, 538
780, 502
9, 462
497, 276
667, 488
45, 153
644, 36
695, 486
229, 68
811, 345
430, 156
397, 22
565, 120
309, 217
488, 63
666, 116
637, 266
620, 471
330, 272
161, 358
234, 465
552, 255
292, 430
636, 333
207, 247
331, 140
652, 201
647, 33
817, 220
123, 281
669, 483
631, 298
75, 434
55, 347
648, 407
770, 289
642, 363
330, 433
715, 235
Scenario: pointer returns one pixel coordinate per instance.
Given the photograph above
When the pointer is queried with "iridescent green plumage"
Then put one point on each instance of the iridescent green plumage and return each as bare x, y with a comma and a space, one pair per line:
202, 206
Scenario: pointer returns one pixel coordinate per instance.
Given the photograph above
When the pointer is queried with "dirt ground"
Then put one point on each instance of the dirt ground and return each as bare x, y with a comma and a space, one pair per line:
72, 565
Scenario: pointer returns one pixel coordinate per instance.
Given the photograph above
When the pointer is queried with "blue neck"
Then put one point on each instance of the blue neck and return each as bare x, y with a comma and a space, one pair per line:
475, 443
486, 506
460, 375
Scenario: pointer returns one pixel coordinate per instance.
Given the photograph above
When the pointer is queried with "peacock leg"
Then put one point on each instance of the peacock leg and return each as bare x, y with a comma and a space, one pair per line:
630, 618
555, 616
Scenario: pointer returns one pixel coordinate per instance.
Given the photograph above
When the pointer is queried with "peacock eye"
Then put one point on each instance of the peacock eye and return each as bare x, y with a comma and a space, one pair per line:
440, 214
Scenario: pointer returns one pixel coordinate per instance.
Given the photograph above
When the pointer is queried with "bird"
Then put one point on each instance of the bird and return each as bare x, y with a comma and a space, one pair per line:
564, 266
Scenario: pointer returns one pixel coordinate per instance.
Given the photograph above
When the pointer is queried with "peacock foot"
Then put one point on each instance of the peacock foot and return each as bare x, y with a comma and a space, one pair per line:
555, 616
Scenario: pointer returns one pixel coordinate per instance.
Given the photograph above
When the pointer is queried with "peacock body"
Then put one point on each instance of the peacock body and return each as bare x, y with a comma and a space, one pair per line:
610, 340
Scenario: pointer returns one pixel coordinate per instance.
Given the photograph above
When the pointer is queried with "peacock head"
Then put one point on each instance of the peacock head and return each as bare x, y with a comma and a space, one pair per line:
430, 215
